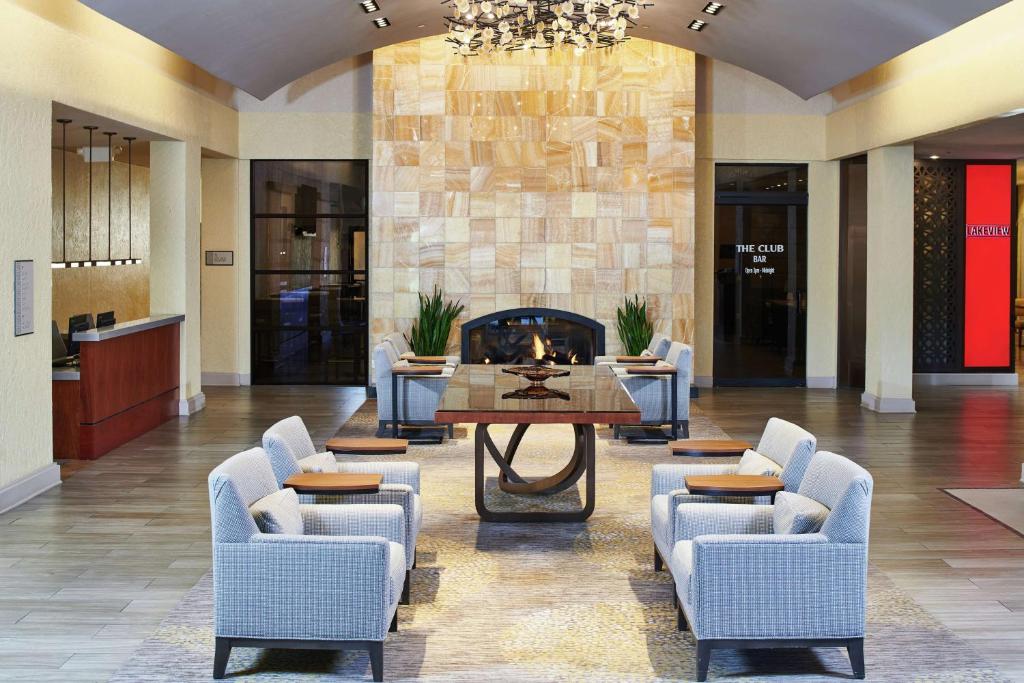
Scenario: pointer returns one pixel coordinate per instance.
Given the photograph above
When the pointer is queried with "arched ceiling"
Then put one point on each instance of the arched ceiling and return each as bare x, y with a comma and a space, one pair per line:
808, 46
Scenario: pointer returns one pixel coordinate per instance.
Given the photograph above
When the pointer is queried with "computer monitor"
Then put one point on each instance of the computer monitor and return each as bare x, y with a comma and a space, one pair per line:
105, 319
77, 323
60, 351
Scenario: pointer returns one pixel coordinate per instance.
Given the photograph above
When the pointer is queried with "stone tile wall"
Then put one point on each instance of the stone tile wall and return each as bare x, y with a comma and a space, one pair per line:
533, 179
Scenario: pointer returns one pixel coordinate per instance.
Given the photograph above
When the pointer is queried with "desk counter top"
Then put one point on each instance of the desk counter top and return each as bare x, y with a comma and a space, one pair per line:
125, 328
67, 374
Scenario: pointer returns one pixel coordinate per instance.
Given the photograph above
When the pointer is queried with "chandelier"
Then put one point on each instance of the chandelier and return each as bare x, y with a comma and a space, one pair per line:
481, 26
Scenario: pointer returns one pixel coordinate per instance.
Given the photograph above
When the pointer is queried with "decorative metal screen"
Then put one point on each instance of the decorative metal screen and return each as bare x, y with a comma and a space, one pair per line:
938, 264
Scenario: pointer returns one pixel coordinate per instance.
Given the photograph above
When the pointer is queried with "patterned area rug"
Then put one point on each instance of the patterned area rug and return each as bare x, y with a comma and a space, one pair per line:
551, 602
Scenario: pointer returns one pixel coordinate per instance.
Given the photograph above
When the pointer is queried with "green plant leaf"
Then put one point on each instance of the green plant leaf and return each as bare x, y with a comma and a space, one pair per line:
430, 331
634, 326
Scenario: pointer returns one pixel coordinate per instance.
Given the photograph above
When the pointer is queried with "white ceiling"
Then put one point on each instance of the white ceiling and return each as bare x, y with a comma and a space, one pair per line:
1001, 138
807, 46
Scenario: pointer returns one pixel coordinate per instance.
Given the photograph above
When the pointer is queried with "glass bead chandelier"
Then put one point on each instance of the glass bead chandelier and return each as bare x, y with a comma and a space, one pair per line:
484, 26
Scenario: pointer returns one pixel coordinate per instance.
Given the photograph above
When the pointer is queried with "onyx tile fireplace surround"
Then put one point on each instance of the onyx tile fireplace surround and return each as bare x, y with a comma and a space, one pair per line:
532, 335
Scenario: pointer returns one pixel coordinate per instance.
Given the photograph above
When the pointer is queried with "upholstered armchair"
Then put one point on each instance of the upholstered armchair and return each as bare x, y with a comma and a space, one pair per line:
789, 575
418, 396
319, 577
404, 351
658, 347
785, 450
291, 451
653, 393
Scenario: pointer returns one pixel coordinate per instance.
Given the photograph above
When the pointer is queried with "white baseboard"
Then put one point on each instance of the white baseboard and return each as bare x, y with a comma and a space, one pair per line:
966, 379
226, 379
705, 381
887, 405
29, 486
821, 382
192, 405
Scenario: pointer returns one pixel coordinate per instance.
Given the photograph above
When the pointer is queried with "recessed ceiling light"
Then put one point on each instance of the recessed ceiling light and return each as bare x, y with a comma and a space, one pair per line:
934, 157
369, 6
713, 8
421, 26
382, 22
697, 25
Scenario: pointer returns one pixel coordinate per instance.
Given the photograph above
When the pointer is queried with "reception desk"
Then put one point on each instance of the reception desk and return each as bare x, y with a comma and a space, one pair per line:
125, 385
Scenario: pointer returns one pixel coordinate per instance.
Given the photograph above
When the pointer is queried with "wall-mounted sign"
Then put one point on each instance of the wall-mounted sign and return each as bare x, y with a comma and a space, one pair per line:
759, 257
23, 289
220, 258
988, 258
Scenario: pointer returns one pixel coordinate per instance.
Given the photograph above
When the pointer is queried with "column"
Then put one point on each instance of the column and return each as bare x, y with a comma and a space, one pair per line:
889, 348
822, 273
174, 217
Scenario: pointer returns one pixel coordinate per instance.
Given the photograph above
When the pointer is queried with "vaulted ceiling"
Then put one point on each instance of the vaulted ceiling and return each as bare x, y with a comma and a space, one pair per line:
807, 46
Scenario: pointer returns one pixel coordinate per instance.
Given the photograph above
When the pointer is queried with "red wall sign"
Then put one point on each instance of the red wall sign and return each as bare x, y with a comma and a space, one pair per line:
987, 286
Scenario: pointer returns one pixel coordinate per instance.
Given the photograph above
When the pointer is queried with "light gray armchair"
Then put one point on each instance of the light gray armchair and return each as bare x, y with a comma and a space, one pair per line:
785, 450
401, 346
658, 347
291, 451
330, 581
789, 575
653, 393
418, 396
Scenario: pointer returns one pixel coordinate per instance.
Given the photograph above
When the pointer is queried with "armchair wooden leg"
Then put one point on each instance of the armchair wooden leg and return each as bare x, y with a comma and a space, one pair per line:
415, 558
681, 624
856, 650
404, 600
393, 628
675, 596
221, 653
703, 660
657, 560
377, 660
451, 431
686, 428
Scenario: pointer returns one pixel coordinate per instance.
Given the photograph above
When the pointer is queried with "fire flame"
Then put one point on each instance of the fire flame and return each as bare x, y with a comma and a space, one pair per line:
538, 347
573, 359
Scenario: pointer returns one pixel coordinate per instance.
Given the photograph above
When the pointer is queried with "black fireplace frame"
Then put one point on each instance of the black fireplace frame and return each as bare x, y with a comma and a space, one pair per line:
483, 320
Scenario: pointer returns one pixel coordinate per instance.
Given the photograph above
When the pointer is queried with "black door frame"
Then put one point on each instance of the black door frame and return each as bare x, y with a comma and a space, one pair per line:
364, 164
763, 198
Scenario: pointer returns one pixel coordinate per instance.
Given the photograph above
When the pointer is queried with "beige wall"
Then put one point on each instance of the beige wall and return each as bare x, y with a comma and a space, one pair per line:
744, 118
219, 284
533, 179
42, 62
122, 289
967, 75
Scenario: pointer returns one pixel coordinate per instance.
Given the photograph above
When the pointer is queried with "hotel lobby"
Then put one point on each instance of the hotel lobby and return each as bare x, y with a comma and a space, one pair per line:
512, 340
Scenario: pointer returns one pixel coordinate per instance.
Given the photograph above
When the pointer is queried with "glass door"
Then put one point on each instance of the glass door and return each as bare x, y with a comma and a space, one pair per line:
760, 275
309, 272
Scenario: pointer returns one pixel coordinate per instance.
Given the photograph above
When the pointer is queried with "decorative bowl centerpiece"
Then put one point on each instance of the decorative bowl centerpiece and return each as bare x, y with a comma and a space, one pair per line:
536, 373
536, 392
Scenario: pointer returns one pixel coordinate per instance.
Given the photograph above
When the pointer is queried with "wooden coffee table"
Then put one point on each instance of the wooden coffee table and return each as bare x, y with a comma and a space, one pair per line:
334, 482
709, 447
734, 485
366, 446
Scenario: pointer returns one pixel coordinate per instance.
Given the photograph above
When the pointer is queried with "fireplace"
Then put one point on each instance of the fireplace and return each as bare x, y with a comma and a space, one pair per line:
532, 335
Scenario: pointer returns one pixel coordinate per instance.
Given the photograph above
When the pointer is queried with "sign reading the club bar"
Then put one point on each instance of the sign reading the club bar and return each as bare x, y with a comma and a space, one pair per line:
759, 255
988, 259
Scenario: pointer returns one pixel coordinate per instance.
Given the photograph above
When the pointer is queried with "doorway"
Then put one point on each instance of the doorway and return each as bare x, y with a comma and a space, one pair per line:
310, 320
760, 275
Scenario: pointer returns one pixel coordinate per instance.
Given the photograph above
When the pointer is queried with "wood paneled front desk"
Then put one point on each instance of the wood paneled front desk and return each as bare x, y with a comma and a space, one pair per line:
125, 385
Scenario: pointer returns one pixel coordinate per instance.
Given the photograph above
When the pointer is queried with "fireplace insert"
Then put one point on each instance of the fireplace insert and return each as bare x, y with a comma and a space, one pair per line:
532, 335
